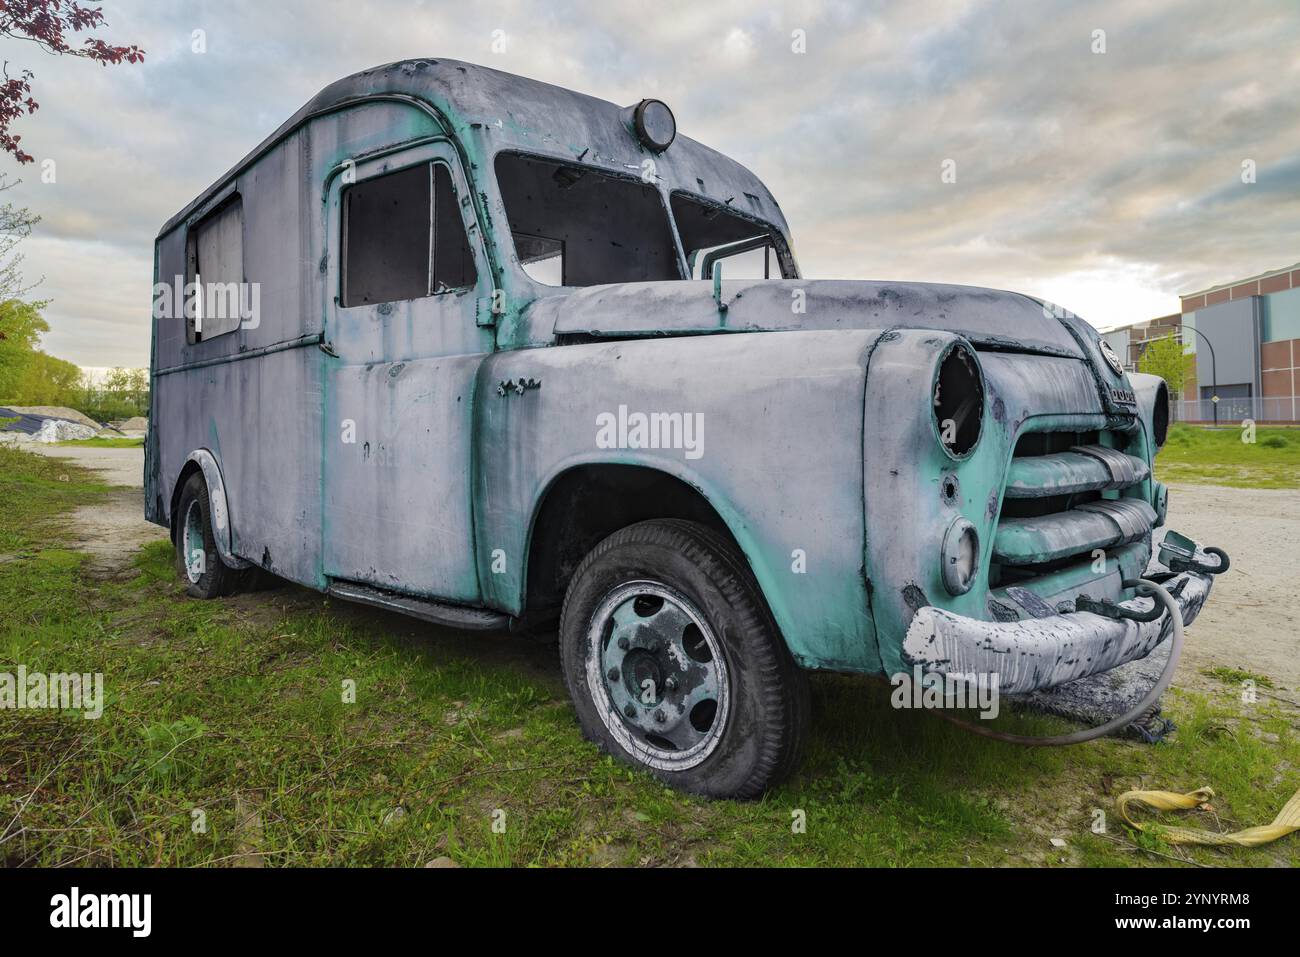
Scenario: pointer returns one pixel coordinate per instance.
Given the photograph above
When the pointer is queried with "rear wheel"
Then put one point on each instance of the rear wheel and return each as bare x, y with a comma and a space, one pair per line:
675, 664
197, 559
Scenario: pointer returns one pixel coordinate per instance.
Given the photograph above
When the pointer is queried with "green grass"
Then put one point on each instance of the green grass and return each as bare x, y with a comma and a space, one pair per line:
34, 490
1235, 676
104, 443
1220, 457
234, 709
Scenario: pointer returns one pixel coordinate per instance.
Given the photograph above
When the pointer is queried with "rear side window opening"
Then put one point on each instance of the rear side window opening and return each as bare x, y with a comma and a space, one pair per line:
214, 256
578, 226
712, 234
403, 238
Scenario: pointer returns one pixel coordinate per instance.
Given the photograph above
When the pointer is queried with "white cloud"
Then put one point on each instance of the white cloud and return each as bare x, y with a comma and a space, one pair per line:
738, 45
1107, 183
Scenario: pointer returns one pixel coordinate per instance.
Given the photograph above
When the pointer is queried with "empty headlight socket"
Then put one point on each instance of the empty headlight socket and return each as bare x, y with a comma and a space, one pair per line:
1160, 416
957, 399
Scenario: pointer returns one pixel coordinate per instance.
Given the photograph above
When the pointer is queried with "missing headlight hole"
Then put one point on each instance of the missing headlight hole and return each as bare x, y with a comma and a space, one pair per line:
958, 401
1160, 415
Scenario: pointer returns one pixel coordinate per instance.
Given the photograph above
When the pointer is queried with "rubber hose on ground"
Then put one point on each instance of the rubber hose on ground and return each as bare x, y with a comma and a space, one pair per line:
1160, 594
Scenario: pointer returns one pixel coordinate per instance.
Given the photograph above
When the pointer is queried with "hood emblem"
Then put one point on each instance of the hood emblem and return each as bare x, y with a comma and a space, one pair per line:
1109, 355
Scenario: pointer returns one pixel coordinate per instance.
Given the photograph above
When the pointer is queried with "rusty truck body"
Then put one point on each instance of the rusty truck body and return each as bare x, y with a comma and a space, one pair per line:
507, 355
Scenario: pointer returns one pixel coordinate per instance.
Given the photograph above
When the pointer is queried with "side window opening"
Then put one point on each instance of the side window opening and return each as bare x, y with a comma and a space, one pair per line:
712, 235
214, 257
453, 261
403, 238
578, 226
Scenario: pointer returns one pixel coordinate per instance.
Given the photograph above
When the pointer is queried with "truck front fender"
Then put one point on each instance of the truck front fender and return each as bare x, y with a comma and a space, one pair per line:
780, 461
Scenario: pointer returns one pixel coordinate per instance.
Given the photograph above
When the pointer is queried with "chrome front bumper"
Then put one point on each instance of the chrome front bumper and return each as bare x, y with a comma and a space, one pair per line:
1039, 653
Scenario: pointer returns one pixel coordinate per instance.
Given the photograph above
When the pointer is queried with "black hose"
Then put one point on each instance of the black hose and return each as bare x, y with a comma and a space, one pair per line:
1161, 595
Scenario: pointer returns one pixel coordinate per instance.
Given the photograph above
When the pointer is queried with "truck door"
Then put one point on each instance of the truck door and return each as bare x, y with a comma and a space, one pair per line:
405, 271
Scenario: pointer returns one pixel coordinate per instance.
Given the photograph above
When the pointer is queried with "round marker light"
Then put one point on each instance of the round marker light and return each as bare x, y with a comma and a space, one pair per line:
654, 124
959, 556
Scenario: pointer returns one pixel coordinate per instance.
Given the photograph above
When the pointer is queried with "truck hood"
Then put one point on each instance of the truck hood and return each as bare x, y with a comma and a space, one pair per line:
987, 317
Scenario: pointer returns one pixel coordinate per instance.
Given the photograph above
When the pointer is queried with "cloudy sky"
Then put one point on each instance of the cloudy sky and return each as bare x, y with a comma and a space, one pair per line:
1108, 182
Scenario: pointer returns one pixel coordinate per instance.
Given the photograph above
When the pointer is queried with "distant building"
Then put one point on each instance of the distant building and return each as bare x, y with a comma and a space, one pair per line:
1246, 338
1129, 341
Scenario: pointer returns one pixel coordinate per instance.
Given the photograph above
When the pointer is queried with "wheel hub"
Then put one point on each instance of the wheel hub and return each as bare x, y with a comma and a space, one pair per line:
660, 673
192, 550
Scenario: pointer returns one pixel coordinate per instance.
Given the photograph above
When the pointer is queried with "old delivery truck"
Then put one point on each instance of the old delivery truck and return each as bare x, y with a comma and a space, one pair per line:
457, 343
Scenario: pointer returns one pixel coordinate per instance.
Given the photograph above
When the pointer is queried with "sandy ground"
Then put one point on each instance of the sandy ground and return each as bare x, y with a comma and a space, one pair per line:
1250, 622
116, 466
112, 531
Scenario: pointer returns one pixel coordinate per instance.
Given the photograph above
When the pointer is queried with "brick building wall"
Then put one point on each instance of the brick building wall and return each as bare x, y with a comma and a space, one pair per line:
1279, 347
1279, 374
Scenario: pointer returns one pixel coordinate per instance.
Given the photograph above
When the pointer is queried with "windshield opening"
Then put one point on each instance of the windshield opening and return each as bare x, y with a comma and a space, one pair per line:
576, 226
712, 235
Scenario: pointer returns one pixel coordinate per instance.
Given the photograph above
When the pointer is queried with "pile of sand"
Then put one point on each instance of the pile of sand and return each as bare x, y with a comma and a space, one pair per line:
59, 412
61, 430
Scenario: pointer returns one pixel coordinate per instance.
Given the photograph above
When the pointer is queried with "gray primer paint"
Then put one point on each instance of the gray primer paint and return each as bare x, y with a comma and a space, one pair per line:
467, 408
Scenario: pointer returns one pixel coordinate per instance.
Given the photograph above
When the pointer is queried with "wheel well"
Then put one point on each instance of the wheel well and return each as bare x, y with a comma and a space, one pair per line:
589, 503
187, 470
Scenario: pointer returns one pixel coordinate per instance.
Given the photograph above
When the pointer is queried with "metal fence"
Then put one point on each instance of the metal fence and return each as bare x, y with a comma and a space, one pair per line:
1278, 409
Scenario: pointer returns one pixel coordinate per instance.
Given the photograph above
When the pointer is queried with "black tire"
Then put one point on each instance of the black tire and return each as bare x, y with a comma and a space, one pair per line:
217, 578
767, 706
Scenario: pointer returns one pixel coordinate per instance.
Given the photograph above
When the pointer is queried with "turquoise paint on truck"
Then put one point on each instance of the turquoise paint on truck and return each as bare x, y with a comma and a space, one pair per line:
473, 412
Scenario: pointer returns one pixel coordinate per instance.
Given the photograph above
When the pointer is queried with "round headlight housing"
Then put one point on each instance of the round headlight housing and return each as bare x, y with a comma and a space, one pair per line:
960, 556
655, 124
1160, 415
1160, 502
958, 400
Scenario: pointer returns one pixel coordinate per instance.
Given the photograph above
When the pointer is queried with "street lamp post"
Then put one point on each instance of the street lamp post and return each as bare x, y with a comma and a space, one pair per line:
1214, 378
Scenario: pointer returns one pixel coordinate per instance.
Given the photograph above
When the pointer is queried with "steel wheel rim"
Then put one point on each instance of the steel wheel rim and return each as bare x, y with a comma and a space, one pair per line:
658, 675
192, 541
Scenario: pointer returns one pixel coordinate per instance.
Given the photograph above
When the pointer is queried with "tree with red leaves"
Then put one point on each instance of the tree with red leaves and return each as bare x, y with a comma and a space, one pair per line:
47, 23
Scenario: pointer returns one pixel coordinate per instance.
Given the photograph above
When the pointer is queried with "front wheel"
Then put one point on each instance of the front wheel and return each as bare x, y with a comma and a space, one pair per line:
674, 663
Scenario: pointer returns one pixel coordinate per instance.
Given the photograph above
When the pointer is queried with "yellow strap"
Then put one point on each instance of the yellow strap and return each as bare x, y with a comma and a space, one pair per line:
1287, 820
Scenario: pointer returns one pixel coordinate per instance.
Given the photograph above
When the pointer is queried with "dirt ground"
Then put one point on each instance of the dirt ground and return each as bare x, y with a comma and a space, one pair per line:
117, 466
111, 531
1250, 622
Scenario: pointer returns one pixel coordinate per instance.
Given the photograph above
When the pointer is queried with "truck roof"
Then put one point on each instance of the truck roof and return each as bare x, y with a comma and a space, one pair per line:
489, 111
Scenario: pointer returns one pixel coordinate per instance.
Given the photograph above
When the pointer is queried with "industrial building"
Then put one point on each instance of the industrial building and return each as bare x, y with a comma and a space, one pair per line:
1245, 336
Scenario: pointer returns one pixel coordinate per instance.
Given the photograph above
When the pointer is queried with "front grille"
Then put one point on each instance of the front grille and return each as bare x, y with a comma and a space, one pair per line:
1067, 494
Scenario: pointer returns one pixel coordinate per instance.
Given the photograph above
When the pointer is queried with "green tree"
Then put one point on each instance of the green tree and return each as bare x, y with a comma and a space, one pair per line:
21, 326
117, 380
1168, 358
16, 225
49, 25
29, 376
121, 394
49, 381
